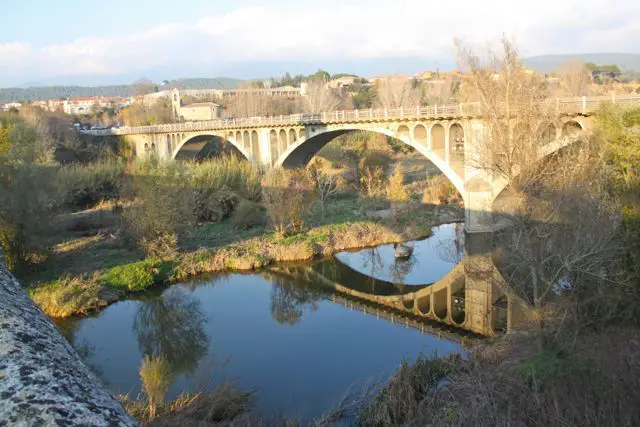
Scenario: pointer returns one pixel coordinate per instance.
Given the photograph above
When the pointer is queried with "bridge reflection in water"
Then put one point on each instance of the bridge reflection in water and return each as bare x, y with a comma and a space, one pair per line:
471, 298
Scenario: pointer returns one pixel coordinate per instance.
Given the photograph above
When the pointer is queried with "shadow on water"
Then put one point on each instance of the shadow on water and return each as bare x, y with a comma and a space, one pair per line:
301, 335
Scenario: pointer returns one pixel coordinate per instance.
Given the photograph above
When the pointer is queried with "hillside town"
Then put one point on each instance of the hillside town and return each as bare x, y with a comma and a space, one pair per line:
187, 104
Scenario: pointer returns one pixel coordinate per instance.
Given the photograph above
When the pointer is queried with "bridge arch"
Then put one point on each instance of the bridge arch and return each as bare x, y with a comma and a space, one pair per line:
456, 141
274, 148
437, 136
255, 146
420, 134
571, 128
403, 133
246, 141
302, 151
282, 141
193, 145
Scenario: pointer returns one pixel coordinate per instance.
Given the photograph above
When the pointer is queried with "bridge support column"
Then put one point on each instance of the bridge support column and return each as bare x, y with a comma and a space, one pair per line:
479, 275
265, 148
479, 217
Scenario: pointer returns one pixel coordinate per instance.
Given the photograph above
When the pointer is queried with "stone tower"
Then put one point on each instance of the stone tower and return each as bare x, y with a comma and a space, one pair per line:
175, 104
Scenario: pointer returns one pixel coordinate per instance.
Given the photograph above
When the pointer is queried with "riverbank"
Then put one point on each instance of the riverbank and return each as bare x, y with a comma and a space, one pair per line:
90, 272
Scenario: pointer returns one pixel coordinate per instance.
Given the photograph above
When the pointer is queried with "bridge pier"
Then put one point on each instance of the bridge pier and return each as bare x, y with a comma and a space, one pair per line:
479, 283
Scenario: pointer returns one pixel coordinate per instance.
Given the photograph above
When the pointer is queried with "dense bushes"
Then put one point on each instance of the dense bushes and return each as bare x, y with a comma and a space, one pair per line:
439, 191
287, 195
81, 186
219, 186
170, 195
162, 204
25, 219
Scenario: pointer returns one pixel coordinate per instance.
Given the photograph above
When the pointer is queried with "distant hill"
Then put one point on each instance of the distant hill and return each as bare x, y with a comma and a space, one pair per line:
549, 63
56, 92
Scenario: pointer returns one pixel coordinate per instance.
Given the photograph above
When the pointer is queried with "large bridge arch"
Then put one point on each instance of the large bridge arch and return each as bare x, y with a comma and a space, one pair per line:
195, 143
302, 151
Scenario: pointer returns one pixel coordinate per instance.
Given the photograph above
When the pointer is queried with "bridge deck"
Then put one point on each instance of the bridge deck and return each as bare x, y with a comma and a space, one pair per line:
576, 105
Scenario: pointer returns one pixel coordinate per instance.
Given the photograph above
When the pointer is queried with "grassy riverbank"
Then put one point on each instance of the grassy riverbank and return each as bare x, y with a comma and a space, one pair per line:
87, 273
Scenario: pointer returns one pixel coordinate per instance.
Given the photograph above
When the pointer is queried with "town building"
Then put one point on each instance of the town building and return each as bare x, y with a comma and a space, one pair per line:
341, 82
11, 106
87, 105
194, 112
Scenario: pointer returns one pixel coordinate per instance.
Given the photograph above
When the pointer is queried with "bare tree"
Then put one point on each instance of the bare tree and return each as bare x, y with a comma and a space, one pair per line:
320, 98
398, 92
326, 184
247, 104
371, 179
143, 86
442, 91
516, 118
574, 78
562, 225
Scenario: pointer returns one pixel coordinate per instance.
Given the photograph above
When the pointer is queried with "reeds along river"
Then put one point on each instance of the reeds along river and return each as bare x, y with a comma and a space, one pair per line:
287, 337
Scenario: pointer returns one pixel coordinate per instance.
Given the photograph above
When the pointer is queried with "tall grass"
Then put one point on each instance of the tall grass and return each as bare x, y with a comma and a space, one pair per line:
163, 205
227, 174
288, 196
81, 186
172, 195
156, 375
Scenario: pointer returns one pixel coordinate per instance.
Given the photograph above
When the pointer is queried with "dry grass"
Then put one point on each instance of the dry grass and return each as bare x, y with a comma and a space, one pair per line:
594, 383
156, 375
288, 196
223, 405
326, 240
69, 296
439, 191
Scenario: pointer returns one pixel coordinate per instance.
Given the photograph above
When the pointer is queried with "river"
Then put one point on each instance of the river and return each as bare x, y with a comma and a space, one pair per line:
285, 335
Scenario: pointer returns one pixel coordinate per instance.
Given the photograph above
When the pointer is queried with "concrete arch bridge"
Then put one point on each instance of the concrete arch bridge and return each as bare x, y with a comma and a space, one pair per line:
449, 136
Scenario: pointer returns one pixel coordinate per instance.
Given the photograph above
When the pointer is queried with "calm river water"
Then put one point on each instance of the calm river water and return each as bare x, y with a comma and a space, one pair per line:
282, 337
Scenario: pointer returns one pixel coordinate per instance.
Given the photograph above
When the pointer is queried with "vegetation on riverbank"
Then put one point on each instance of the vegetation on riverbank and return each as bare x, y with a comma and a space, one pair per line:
150, 222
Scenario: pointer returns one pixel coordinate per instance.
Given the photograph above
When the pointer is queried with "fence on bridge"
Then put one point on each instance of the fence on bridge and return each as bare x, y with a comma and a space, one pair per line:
575, 105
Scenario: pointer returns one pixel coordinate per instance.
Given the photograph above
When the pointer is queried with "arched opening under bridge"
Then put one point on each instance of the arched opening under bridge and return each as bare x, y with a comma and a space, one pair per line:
206, 146
348, 151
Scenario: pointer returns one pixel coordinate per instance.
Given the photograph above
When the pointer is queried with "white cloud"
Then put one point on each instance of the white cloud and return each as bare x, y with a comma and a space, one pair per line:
319, 32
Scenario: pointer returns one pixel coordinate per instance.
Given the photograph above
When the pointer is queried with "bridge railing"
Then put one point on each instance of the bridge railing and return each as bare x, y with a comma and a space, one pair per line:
575, 105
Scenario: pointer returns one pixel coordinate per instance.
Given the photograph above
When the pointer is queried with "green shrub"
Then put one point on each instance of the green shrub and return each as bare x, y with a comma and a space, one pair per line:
553, 363
136, 276
247, 215
81, 186
25, 218
163, 203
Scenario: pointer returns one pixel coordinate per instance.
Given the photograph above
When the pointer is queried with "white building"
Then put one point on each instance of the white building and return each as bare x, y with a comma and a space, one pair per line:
11, 106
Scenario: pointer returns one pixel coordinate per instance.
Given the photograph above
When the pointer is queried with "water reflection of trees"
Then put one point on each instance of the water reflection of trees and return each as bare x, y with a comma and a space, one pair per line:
400, 268
172, 326
290, 297
371, 258
452, 248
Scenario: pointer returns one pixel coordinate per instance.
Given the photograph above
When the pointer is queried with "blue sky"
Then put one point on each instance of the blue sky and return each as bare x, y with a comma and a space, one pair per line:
73, 41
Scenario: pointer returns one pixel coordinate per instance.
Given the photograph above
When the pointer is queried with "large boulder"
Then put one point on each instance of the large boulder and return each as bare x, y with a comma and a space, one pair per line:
43, 381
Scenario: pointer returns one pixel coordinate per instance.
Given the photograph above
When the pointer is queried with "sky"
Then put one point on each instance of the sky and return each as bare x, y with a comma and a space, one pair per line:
117, 41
